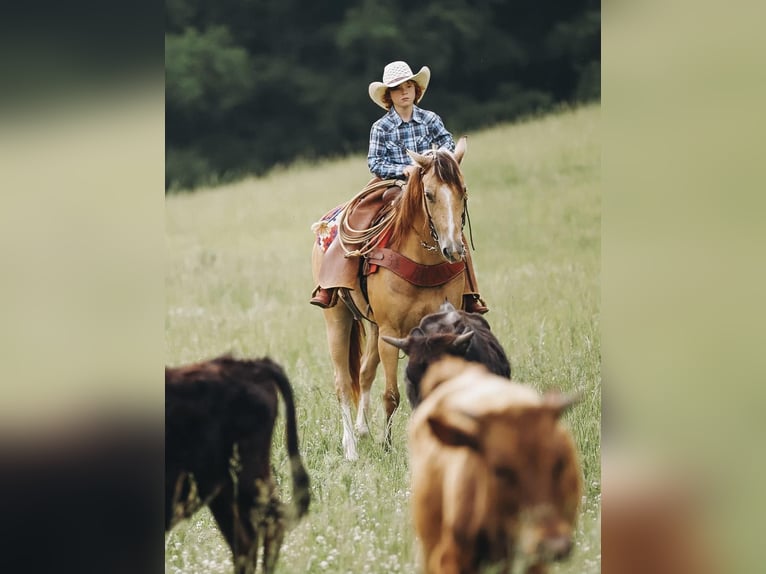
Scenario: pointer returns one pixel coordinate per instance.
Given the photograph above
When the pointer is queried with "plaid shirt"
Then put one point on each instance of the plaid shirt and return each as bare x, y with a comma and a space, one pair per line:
390, 137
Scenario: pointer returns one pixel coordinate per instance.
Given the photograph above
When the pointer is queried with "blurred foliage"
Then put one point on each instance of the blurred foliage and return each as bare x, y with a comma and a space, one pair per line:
255, 83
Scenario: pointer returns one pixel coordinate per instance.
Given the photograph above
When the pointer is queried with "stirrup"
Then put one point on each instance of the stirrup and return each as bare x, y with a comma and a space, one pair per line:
325, 298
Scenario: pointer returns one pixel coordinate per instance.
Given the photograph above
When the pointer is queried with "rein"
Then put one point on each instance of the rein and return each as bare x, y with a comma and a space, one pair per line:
468, 216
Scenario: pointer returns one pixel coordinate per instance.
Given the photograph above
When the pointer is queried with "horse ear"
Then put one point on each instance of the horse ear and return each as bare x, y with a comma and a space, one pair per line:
446, 306
460, 148
421, 160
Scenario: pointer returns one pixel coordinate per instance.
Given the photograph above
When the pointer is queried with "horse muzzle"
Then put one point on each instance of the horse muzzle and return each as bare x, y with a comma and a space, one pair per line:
453, 253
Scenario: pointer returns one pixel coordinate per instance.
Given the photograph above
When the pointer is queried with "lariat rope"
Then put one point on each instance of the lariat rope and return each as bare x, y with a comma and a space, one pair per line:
365, 237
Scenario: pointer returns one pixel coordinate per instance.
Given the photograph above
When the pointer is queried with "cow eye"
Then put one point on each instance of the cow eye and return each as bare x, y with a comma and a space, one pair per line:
507, 475
558, 469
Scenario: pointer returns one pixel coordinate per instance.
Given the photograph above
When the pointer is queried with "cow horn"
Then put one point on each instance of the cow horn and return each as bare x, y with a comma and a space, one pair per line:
561, 402
398, 343
461, 342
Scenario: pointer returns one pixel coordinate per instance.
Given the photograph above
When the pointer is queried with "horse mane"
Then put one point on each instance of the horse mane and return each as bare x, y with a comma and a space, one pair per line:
410, 205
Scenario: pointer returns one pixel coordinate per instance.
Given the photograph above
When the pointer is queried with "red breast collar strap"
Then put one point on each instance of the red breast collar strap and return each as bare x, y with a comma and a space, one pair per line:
415, 273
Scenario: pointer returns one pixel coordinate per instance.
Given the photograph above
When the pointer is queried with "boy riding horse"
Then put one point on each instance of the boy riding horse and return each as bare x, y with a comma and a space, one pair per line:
404, 127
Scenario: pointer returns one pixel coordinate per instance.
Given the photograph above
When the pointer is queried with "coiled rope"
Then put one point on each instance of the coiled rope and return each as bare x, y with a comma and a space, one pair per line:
366, 237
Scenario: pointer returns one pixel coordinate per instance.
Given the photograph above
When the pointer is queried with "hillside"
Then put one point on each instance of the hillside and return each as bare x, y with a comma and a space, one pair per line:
238, 280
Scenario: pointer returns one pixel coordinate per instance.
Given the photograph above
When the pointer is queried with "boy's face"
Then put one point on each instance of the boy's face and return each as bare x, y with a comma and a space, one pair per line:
403, 95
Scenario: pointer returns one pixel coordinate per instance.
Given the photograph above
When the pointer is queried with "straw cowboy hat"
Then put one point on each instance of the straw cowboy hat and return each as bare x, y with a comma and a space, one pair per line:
397, 73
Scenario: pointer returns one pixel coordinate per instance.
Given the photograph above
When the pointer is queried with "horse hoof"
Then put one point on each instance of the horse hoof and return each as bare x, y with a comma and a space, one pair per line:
351, 456
350, 452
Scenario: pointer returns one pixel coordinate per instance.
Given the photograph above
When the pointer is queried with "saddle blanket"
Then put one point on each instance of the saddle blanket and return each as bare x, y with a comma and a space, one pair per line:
327, 227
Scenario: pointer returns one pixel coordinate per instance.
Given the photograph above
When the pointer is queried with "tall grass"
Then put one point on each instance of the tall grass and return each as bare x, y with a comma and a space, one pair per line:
238, 280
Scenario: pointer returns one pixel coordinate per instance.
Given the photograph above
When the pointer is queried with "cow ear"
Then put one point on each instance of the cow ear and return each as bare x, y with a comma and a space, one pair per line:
561, 402
460, 148
461, 342
455, 428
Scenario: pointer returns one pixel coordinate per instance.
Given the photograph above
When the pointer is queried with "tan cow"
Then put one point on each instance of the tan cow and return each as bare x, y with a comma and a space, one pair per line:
495, 477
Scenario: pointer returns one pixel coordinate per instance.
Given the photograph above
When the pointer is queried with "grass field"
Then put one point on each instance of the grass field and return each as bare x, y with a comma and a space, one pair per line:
238, 280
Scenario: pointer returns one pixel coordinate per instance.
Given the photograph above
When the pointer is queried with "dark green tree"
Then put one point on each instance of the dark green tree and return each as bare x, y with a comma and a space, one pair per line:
254, 83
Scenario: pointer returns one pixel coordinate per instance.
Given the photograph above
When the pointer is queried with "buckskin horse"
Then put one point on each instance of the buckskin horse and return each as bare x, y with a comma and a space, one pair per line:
421, 267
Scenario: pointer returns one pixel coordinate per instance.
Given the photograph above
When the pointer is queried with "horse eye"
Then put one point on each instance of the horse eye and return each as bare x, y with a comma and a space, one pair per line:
429, 196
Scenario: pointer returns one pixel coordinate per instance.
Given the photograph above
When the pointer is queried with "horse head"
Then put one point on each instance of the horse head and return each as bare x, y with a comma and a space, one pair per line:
438, 192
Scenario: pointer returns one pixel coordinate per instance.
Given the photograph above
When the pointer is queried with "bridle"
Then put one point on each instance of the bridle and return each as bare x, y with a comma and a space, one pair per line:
463, 217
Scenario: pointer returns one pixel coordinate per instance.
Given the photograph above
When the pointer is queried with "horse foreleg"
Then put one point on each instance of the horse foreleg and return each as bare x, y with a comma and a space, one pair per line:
389, 356
367, 376
338, 321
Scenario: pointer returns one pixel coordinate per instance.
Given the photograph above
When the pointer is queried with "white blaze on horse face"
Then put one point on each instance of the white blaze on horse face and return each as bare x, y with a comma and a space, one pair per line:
450, 240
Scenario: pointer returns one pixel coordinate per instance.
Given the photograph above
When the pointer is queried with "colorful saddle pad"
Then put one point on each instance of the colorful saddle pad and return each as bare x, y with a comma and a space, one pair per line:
327, 227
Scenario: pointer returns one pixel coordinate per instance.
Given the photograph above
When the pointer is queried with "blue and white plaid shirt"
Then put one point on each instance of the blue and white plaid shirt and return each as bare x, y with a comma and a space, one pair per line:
390, 137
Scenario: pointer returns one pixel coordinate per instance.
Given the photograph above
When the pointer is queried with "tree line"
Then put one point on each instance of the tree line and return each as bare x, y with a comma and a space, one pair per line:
255, 83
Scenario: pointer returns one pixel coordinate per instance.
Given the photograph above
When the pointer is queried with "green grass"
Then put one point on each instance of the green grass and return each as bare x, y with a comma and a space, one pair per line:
238, 280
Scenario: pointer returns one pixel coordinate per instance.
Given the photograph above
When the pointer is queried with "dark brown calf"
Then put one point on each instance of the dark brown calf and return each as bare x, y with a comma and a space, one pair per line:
453, 332
219, 421
495, 477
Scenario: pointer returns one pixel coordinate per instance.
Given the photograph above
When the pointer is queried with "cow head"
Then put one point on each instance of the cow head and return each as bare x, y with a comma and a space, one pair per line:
424, 349
532, 471
448, 332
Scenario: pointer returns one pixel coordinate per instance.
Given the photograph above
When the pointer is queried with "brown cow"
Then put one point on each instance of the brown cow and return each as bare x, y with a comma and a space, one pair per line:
495, 477
449, 331
219, 421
